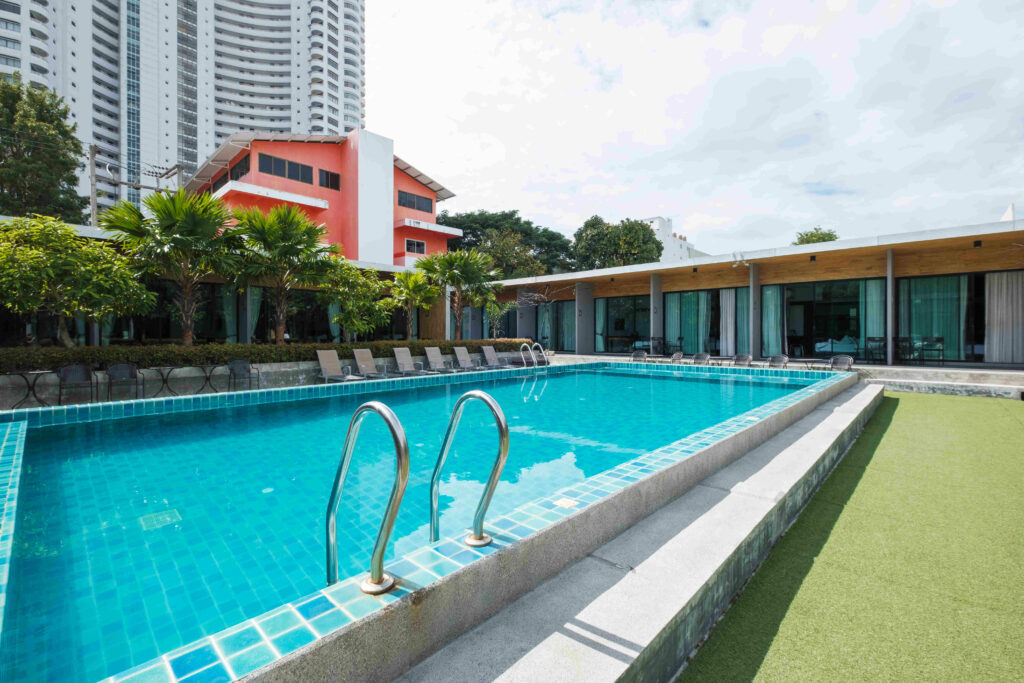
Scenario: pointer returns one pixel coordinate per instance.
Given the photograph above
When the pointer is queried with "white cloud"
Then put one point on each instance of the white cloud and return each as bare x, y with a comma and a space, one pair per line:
744, 122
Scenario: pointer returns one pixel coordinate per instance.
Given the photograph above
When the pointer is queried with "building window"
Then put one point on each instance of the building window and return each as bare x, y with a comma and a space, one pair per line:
10, 43
286, 169
241, 168
10, 7
9, 25
10, 61
219, 182
415, 247
331, 181
414, 201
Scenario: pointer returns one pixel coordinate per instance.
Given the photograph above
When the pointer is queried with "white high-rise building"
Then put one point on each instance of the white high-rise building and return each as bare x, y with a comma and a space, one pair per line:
155, 83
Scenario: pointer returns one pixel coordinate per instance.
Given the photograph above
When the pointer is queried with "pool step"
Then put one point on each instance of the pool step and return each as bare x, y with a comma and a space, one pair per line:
636, 607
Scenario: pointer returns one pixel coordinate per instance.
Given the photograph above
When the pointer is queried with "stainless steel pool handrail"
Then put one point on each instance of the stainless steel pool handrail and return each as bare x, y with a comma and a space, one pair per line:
477, 537
537, 345
522, 355
378, 582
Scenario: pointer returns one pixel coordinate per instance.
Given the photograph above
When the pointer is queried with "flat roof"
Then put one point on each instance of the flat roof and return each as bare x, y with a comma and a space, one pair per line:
238, 142
890, 240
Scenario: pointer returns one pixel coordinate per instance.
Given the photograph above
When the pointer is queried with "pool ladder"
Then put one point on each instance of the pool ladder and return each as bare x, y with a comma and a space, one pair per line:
378, 581
529, 350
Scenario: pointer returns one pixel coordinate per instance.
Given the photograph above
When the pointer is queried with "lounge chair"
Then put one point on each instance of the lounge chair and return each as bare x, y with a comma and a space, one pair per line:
638, 357
701, 359
463, 359
331, 369
436, 362
491, 359
75, 376
406, 365
742, 360
367, 366
840, 363
126, 374
241, 369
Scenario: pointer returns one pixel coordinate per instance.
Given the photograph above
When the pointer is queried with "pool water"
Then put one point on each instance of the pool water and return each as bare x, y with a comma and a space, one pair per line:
139, 535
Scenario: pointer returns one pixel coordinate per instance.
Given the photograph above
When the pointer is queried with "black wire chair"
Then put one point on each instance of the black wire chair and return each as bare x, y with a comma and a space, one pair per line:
75, 376
127, 375
241, 369
701, 358
778, 361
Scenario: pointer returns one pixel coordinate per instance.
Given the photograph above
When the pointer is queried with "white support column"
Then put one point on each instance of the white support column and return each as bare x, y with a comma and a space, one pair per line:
657, 315
890, 308
755, 311
585, 317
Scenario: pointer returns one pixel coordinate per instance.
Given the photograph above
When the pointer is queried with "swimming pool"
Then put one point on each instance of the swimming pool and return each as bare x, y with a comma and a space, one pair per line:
139, 535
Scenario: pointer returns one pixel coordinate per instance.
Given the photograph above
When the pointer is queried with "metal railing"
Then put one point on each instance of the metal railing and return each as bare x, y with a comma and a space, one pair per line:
477, 537
537, 345
529, 350
378, 582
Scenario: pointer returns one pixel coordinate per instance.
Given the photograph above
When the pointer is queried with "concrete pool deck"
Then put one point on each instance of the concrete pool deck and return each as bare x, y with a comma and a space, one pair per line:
637, 606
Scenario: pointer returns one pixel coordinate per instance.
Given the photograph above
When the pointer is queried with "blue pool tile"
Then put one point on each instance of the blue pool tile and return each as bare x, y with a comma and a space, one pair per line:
279, 623
192, 661
362, 606
239, 640
148, 673
444, 567
330, 621
213, 674
293, 640
252, 659
314, 607
349, 590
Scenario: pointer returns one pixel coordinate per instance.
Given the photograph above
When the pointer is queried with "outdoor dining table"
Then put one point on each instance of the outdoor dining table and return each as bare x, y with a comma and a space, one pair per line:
30, 378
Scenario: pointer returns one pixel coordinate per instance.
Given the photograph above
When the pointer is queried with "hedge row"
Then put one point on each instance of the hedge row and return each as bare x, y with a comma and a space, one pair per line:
50, 358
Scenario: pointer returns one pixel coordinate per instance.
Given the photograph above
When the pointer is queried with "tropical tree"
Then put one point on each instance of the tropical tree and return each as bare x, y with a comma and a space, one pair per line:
184, 238
512, 256
283, 250
599, 244
815, 235
550, 248
359, 296
470, 275
496, 311
40, 154
45, 266
413, 291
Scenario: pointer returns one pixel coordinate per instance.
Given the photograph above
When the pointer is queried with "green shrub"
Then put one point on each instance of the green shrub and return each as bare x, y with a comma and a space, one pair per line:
51, 358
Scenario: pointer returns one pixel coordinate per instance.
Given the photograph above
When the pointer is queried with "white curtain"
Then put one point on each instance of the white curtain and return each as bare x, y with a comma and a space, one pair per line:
871, 310
255, 298
704, 319
1004, 317
727, 321
600, 324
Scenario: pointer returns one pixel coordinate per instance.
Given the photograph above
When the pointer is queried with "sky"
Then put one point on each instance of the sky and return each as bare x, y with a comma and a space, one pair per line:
744, 122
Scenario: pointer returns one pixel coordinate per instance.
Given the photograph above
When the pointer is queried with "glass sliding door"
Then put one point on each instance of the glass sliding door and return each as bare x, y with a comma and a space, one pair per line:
627, 323
673, 322
937, 320
545, 323
600, 324
565, 321
824, 319
692, 322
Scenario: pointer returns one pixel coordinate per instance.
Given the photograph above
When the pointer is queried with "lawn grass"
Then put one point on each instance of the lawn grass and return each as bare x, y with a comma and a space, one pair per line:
906, 565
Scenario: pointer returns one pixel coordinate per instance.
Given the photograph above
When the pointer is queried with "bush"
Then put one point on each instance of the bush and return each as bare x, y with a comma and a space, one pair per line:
99, 357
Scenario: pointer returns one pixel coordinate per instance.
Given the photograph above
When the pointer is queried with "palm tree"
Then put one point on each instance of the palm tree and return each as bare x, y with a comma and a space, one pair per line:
283, 250
183, 238
470, 274
413, 290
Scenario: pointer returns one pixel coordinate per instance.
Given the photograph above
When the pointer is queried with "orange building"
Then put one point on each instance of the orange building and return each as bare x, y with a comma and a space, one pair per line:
377, 208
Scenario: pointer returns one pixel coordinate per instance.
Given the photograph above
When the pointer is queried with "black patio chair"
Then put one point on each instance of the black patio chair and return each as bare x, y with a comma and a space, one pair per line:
933, 349
876, 349
840, 363
128, 375
241, 369
75, 376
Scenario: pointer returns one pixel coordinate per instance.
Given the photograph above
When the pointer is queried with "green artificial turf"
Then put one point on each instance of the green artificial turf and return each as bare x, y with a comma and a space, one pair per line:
906, 565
